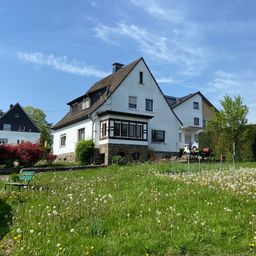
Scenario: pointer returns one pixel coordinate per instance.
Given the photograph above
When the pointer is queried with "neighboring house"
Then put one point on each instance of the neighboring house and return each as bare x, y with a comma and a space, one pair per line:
125, 113
16, 127
194, 111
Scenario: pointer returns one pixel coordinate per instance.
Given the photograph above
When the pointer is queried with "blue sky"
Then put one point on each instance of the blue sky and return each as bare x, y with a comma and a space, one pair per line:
52, 51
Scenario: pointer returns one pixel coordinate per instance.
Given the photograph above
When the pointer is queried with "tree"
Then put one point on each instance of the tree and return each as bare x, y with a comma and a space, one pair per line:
39, 118
228, 126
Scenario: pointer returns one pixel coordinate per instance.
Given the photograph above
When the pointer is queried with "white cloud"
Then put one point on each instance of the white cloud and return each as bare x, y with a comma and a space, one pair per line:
155, 10
169, 50
234, 84
61, 64
165, 80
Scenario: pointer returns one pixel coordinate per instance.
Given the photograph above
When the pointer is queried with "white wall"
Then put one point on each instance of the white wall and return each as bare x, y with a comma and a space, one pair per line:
186, 112
163, 119
71, 132
13, 136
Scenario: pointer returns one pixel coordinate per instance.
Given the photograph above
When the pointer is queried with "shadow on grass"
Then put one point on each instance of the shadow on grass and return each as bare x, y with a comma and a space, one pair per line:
5, 218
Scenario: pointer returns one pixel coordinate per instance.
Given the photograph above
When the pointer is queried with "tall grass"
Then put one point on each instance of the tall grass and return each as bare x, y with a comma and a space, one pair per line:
126, 211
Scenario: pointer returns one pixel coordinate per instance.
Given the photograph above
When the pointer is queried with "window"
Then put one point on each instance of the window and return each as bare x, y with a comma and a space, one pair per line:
195, 105
158, 136
124, 132
3, 141
132, 102
149, 105
204, 123
103, 127
139, 131
63, 140
17, 115
7, 127
132, 130
81, 133
196, 121
141, 77
21, 128
123, 129
117, 129
86, 103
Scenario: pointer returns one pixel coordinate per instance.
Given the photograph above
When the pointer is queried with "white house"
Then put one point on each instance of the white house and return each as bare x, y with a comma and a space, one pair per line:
125, 113
17, 127
194, 111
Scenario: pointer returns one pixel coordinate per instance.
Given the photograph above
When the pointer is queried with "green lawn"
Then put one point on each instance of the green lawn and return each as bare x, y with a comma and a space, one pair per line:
148, 209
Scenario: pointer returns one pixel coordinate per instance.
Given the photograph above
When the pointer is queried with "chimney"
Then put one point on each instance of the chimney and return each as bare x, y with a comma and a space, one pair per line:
117, 66
11, 106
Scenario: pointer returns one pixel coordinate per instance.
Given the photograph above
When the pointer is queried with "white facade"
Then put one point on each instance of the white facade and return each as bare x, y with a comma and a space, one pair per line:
71, 133
13, 137
187, 114
163, 117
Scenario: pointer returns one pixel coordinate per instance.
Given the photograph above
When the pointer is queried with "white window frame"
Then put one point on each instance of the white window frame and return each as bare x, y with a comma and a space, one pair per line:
62, 136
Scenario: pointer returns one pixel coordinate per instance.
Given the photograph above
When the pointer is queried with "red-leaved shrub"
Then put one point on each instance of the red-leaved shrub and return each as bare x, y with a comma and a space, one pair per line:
8, 154
29, 153
50, 157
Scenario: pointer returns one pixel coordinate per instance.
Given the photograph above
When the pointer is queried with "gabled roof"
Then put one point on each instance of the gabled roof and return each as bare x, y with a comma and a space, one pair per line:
15, 107
110, 82
176, 101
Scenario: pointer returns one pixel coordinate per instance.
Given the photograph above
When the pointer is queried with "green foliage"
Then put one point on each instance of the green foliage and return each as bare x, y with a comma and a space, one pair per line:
14, 177
39, 118
84, 151
228, 127
119, 160
128, 210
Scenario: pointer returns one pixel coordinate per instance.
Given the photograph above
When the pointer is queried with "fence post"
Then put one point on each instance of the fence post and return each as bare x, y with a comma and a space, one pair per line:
220, 162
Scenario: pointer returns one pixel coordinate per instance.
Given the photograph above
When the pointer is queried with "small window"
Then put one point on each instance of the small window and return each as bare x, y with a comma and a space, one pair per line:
149, 105
3, 141
196, 121
141, 77
81, 133
21, 128
7, 127
204, 123
86, 103
132, 102
63, 140
158, 136
195, 105
17, 115
103, 129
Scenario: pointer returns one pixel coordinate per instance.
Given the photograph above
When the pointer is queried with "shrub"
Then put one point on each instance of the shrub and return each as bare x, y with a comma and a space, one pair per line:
8, 154
119, 160
50, 157
84, 151
29, 153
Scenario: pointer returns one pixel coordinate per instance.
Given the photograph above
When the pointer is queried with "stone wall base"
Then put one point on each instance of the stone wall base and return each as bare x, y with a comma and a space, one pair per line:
131, 152
68, 157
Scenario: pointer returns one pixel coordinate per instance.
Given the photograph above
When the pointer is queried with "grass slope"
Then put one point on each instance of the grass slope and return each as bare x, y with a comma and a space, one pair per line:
125, 211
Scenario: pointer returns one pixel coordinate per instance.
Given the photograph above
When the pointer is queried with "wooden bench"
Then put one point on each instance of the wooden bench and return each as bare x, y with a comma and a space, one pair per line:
25, 178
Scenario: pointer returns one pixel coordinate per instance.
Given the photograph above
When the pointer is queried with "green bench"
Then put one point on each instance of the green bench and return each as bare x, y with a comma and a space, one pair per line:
25, 178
